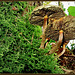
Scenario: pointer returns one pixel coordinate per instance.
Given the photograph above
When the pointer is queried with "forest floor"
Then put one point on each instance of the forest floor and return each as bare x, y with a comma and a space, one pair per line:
68, 61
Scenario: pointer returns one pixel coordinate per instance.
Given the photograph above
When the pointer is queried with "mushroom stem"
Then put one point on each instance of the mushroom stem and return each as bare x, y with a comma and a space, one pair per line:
43, 36
58, 43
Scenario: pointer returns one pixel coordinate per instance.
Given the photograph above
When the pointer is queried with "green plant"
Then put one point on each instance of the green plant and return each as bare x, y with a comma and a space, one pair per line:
73, 46
71, 10
17, 54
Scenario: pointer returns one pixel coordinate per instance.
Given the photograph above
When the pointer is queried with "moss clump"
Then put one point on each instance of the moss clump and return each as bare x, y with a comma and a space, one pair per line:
17, 55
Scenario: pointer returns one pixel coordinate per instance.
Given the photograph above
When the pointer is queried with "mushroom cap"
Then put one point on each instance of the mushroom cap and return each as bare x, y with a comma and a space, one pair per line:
38, 14
66, 23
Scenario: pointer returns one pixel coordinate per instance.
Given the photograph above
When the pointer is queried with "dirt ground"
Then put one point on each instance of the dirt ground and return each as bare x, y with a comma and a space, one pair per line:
67, 60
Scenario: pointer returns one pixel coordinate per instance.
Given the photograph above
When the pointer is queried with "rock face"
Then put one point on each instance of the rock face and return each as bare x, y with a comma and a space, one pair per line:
38, 14
56, 21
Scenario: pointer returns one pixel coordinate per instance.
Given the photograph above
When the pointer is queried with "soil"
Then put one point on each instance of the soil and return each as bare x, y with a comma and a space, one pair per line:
67, 60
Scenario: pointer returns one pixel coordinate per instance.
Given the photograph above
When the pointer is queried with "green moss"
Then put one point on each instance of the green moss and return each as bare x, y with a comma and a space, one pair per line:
17, 55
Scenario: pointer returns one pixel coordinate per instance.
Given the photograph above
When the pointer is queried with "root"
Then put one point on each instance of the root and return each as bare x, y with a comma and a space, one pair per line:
67, 71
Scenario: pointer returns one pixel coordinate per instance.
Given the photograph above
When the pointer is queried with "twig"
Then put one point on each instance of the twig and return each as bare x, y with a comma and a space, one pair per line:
32, 38
25, 38
6, 32
69, 55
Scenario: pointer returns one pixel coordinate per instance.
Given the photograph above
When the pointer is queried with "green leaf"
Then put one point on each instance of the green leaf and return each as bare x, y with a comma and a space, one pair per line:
71, 10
